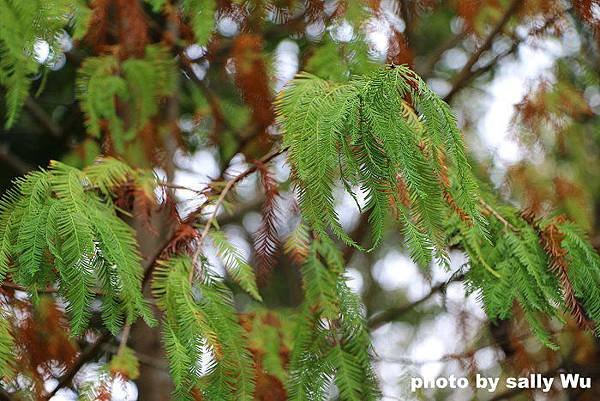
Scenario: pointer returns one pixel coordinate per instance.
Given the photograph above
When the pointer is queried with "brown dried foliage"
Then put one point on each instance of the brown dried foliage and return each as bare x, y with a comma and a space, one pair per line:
445, 183
183, 240
315, 10
567, 190
133, 28
266, 241
99, 24
399, 51
103, 391
551, 238
44, 341
132, 198
252, 79
118, 26
548, 104
267, 386
585, 8
468, 10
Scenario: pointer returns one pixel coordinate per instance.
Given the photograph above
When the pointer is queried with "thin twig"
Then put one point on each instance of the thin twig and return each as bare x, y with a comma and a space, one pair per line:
496, 214
5, 395
47, 290
17, 287
230, 184
19, 165
85, 356
465, 75
181, 187
124, 338
431, 62
43, 118
517, 41
394, 313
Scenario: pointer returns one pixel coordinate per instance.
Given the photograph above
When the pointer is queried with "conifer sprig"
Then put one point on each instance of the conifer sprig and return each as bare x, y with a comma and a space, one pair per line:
138, 84
23, 25
399, 142
59, 226
368, 127
199, 318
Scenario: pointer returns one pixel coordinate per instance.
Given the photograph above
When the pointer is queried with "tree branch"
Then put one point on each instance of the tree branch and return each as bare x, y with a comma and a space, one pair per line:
20, 166
86, 355
5, 396
485, 68
432, 60
38, 113
230, 184
394, 313
466, 74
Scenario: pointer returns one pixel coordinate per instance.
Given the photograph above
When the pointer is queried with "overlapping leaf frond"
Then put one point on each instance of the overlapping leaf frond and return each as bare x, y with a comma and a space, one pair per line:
57, 228
23, 25
544, 265
390, 137
363, 133
331, 341
239, 269
6, 345
137, 83
200, 319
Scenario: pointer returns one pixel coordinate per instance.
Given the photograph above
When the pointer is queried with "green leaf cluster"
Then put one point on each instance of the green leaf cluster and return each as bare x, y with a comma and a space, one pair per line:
204, 342
514, 268
125, 95
406, 158
57, 227
239, 269
23, 24
331, 342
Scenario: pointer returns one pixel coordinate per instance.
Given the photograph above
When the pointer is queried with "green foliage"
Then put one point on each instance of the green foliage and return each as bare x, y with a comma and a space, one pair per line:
125, 363
202, 17
156, 4
57, 228
512, 268
331, 341
200, 319
271, 332
364, 133
584, 268
138, 84
337, 61
241, 272
22, 25
200, 323
6, 346
409, 161
384, 137
97, 87
516, 266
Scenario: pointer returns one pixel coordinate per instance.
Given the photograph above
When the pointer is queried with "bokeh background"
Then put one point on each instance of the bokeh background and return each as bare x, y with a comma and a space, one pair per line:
523, 78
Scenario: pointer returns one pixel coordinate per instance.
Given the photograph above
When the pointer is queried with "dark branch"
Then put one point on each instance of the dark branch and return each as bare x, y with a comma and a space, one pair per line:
394, 313
43, 118
18, 165
466, 74
86, 355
